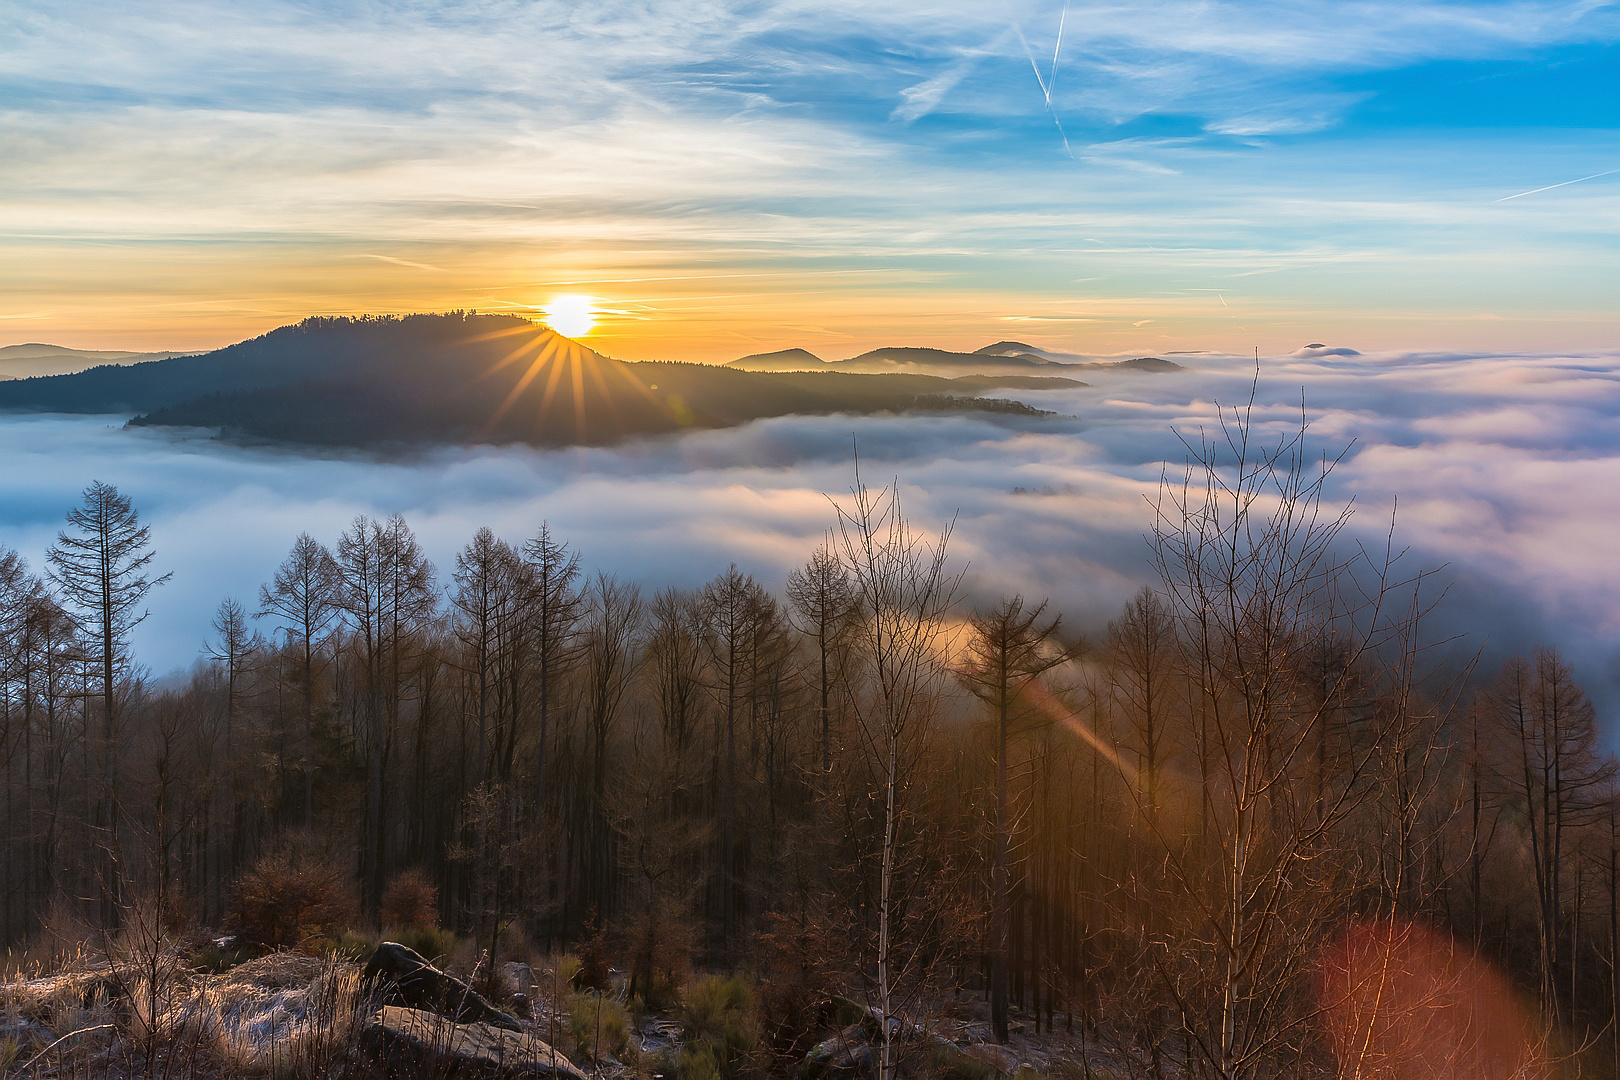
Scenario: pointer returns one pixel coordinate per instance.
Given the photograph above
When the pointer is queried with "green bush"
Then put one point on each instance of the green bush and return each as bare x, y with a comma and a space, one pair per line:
697, 1062
599, 1025
432, 942
355, 945
718, 1013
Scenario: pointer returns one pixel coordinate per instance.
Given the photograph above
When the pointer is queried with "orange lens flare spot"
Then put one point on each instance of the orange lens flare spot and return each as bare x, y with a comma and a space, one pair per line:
1403, 1002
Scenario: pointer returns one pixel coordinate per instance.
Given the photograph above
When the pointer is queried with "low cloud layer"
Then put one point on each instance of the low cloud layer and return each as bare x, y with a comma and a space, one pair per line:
1505, 467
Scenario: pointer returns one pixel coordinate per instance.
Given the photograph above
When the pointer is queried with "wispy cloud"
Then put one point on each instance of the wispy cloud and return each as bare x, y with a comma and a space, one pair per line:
223, 166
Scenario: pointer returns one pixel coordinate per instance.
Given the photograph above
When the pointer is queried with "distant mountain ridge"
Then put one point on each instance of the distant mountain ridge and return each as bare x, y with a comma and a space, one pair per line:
1003, 357
461, 377
37, 358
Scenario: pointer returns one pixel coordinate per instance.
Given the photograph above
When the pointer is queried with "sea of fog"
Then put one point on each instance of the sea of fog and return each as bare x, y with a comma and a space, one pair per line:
1505, 468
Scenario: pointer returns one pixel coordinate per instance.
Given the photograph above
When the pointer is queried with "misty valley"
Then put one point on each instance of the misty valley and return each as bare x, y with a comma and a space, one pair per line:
921, 714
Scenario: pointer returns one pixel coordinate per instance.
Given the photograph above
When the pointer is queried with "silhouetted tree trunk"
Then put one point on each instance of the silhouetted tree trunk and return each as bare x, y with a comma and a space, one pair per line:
99, 563
1008, 651
304, 596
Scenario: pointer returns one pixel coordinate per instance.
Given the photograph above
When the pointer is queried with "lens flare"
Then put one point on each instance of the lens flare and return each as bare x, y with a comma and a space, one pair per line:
571, 315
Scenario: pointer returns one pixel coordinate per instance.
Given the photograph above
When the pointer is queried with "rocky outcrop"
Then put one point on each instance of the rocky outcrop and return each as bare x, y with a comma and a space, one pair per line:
404, 977
409, 1043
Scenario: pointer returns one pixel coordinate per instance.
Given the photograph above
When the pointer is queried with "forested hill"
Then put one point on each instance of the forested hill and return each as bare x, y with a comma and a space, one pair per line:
460, 377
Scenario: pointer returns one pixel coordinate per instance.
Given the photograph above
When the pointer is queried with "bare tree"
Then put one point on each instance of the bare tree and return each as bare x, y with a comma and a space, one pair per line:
1008, 650
100, 565
387, 594
904, 593
1558, 781
821, 594
486, 605
1256, 567
730, 606
303, 597
1142, 648
558, 605
611, 656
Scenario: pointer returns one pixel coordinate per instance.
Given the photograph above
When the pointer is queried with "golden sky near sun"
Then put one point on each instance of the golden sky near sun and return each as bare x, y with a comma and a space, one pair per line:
162, 296
771, 176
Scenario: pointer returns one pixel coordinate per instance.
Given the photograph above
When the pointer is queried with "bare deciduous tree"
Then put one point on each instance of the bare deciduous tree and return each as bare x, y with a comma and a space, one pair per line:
1008, 650
100, 565
903, 593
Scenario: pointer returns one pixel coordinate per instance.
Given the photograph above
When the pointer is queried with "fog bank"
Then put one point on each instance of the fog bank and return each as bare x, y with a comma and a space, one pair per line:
1505, 467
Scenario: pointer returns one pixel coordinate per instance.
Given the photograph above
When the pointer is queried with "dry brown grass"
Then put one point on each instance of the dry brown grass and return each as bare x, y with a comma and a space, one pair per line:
285, 1015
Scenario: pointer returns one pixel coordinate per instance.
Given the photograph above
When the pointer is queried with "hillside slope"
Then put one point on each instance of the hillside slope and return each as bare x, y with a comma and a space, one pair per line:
460, 378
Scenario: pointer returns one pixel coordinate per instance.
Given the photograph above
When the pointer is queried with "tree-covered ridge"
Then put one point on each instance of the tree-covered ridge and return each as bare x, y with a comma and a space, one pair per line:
1246, 832
462, 377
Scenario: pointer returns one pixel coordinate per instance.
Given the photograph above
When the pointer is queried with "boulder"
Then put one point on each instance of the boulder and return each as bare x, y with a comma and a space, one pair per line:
521, 976
849, 1051
409, 1043
404, 977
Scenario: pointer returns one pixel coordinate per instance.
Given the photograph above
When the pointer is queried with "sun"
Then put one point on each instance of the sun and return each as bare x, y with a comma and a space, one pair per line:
571, 315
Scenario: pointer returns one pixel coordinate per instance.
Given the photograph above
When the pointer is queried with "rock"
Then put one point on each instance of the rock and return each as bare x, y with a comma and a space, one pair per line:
977, 1031
405, 978
521, 976
848, 1051
1001, 1058
410, 1043
661, 1035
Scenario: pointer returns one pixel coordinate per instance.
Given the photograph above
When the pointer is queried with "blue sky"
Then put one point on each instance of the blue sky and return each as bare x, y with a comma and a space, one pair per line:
726, 177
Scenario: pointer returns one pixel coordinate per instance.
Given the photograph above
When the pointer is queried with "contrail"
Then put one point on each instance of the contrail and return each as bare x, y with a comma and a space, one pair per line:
1051, 80
403, 262
1566, 183
1046, 84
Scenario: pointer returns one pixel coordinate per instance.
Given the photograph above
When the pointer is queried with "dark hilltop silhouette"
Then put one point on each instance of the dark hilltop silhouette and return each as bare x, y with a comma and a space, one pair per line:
462, 377
1001, 358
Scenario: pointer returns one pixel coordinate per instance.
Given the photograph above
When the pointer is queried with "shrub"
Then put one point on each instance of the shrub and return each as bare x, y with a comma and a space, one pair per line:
410, 901
567, 969
660, 957
433, 943
697, 1062
355, 945
796, 961
599, 1025
593, 973
290, 899
718, 1013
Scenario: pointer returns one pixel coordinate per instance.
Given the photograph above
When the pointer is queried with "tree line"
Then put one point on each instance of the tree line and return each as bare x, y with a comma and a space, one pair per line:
858, 782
